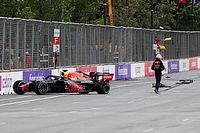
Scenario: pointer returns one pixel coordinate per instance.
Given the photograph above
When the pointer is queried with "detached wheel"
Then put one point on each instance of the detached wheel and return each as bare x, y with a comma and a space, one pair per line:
41, 88
16, 87
104, 89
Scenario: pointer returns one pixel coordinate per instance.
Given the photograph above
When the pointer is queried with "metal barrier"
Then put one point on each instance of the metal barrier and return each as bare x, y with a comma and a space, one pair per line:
28, 44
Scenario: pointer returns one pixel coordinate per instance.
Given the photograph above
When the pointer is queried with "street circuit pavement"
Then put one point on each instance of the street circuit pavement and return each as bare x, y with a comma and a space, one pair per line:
130, 107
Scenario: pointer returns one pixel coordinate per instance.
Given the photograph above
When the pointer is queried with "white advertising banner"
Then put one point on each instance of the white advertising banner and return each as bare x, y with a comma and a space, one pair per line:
7, 80
107, 68
137, 70
184, 65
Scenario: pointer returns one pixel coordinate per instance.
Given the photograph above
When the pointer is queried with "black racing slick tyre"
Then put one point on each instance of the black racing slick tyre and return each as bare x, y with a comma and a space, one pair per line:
16, 87
41, 88
104, 89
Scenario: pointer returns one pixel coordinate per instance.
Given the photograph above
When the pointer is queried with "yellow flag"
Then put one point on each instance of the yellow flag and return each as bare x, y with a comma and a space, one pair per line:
168, 39
162, 47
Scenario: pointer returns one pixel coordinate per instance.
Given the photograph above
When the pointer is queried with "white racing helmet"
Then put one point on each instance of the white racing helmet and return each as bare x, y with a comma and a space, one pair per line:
159, 56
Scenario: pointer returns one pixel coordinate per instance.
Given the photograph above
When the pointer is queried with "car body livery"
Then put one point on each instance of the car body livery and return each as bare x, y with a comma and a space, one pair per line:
81, 83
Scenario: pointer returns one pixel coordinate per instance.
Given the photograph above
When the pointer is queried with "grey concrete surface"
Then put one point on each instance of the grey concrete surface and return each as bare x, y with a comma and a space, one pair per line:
131, 107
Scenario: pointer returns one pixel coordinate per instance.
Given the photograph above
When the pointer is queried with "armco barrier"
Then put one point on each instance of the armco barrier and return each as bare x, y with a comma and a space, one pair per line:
121, 71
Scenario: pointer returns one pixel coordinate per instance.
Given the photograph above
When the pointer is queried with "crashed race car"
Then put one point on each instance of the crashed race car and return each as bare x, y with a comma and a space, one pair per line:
78, 82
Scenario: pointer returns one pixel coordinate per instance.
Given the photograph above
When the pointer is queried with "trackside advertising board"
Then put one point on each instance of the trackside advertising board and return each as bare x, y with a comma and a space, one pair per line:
173, 66
137, 70
193, 63
148, 71
35, 74
7, 80
184, 65
123, 72
107, 69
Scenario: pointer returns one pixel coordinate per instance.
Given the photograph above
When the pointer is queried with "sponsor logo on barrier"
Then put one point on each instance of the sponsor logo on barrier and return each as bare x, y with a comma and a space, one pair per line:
6, 83
33, 77
173, 66
137, 70
123, 71
184, 65
105, 70
193, 64
148, 71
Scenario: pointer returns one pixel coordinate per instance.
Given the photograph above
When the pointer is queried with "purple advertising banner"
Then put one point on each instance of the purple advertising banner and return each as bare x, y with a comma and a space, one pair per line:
123, 72
35, 74
173, 66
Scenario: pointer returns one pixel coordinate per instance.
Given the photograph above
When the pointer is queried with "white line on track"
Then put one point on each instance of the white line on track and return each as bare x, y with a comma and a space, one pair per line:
93, 109
185, 120
2, 123
148, 130
33, 100
36, 109
6, 99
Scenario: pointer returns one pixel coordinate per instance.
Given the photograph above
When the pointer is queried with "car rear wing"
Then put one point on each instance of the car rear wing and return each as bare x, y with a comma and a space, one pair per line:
100, 75
107, 76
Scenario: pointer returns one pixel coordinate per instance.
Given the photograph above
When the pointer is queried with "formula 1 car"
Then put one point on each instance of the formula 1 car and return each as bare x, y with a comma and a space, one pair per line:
95, 81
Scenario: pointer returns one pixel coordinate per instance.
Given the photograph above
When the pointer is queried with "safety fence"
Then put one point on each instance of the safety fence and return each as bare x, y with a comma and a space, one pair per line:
29, 44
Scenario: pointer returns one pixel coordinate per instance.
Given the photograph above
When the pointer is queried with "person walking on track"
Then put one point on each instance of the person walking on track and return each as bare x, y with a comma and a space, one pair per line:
158, 67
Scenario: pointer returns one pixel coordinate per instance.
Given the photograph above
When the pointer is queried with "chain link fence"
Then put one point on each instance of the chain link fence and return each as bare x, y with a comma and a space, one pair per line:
28, 44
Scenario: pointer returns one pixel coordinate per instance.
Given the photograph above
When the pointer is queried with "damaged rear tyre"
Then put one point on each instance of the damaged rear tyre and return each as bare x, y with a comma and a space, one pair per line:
104, 89
16, 87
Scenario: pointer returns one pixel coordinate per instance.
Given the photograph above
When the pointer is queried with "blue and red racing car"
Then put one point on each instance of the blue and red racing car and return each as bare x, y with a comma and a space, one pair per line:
78, 82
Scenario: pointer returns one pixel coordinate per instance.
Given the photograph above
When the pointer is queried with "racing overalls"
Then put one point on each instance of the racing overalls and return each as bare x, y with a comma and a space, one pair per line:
158, 67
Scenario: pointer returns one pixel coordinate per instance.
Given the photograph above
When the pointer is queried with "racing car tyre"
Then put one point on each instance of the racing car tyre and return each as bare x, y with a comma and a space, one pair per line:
16, 88
104, 89
41, 88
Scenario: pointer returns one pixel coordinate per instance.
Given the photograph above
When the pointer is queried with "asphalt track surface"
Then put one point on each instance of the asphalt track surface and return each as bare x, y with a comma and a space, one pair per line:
130, 107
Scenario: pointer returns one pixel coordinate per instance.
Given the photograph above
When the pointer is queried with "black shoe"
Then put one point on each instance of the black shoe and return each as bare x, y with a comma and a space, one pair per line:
156, 91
